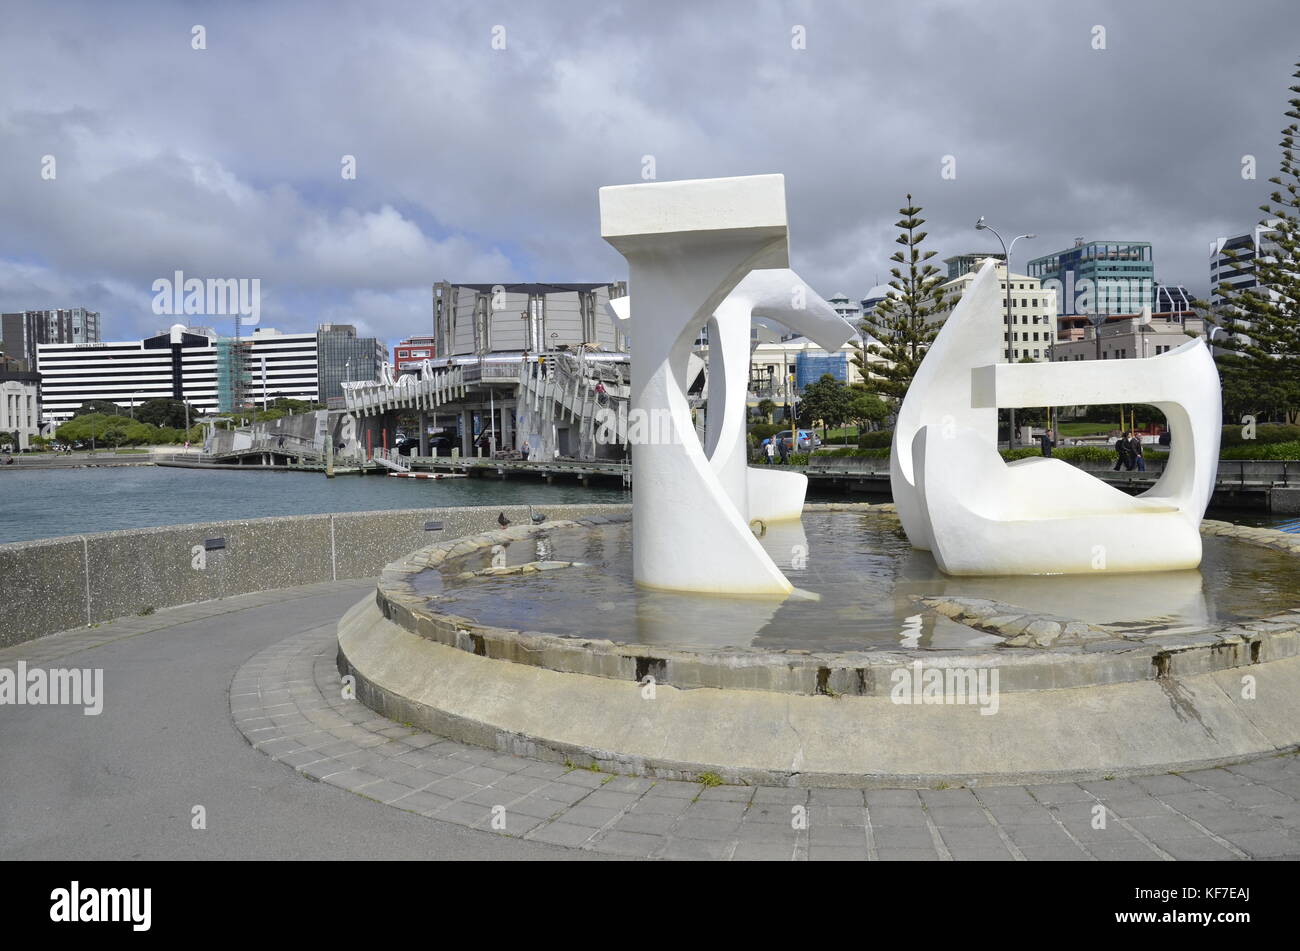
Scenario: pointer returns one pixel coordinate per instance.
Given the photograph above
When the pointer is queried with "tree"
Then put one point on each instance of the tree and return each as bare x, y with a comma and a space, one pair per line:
1261, 371
826, 400
766, 408
865, 407
902, 324
97, 406
98, 429
163, 412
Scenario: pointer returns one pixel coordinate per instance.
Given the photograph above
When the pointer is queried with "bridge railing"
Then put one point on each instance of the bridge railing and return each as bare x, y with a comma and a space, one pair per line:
1244, 472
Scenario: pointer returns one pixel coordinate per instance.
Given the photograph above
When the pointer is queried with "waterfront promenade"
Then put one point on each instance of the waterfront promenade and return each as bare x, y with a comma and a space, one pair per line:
235, 705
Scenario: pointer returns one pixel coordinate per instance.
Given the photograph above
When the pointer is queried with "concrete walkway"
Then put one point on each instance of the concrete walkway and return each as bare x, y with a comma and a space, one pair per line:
123, 784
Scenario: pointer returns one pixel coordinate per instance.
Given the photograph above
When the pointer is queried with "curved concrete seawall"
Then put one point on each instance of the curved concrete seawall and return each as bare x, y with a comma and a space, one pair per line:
61, 583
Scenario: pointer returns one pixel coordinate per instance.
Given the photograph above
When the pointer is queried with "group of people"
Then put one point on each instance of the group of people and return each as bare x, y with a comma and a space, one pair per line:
1128, 447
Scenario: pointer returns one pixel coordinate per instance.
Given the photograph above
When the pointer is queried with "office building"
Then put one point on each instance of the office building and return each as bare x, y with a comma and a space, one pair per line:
960, 264
175, 365
411, 352
1172, 299
1232, 259
213, 374
1125, 336
848, 309
342, 356
867, 306
1099, 277
1033, 312
280, 366
23, 331
477, 319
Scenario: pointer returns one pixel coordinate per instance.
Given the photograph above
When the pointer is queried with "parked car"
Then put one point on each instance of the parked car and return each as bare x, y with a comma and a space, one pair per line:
808, 440
438, 446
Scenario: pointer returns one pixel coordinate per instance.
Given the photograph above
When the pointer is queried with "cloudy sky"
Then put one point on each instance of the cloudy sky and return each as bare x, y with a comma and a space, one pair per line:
477, 164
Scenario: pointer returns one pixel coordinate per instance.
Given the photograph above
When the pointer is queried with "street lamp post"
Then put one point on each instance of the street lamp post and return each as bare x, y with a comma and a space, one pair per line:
1097, 320
1006, 256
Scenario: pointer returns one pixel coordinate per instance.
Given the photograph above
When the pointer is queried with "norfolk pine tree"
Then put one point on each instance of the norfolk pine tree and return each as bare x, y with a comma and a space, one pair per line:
1261, 371
902, 324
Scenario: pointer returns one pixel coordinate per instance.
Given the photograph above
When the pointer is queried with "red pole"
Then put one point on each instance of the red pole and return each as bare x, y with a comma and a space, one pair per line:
370, 449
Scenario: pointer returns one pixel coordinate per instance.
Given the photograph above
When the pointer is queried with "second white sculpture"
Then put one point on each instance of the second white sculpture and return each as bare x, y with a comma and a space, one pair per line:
979, 515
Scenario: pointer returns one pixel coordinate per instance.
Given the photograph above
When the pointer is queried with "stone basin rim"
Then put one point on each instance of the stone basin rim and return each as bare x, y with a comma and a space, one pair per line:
856, 673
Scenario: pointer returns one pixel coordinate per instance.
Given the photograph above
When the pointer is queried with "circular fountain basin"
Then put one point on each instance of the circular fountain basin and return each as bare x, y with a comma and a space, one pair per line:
535, 639
860, 583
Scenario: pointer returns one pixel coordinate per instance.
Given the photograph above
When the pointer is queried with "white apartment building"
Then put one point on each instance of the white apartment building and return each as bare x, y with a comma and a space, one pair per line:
281, 365
1232, 259
208, 372
176, 364
1033, 312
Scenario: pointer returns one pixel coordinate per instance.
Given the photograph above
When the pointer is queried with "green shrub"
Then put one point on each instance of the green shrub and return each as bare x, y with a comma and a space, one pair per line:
879, 453
876, 440
1274, 450
761, 431
1266, 434
1085, 454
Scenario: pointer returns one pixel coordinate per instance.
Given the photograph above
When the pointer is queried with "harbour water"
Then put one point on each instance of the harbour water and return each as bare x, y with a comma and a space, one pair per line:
43, 503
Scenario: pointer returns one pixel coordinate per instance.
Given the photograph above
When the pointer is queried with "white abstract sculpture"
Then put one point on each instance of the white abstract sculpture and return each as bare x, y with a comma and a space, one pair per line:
688, 244
782, 295
981, 516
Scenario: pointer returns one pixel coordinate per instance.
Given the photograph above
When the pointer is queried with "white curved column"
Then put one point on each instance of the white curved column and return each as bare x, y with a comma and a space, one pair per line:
940, 394
781, 295
687, 245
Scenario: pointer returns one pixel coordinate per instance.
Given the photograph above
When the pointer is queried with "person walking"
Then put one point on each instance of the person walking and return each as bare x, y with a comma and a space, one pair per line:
784, 448
1135, 453
1047, 442
1122, 450
769, 450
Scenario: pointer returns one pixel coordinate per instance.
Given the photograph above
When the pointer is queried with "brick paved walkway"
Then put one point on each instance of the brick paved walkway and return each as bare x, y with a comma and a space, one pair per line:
288, 701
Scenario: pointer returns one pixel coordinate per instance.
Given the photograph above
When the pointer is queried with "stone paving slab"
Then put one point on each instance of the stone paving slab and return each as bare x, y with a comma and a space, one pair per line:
1238, 812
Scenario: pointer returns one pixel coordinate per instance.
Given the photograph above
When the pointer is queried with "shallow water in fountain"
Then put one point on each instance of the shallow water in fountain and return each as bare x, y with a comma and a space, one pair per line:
863, 573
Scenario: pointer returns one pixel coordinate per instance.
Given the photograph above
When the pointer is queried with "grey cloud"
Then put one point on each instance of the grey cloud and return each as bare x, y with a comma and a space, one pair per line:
475, 164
